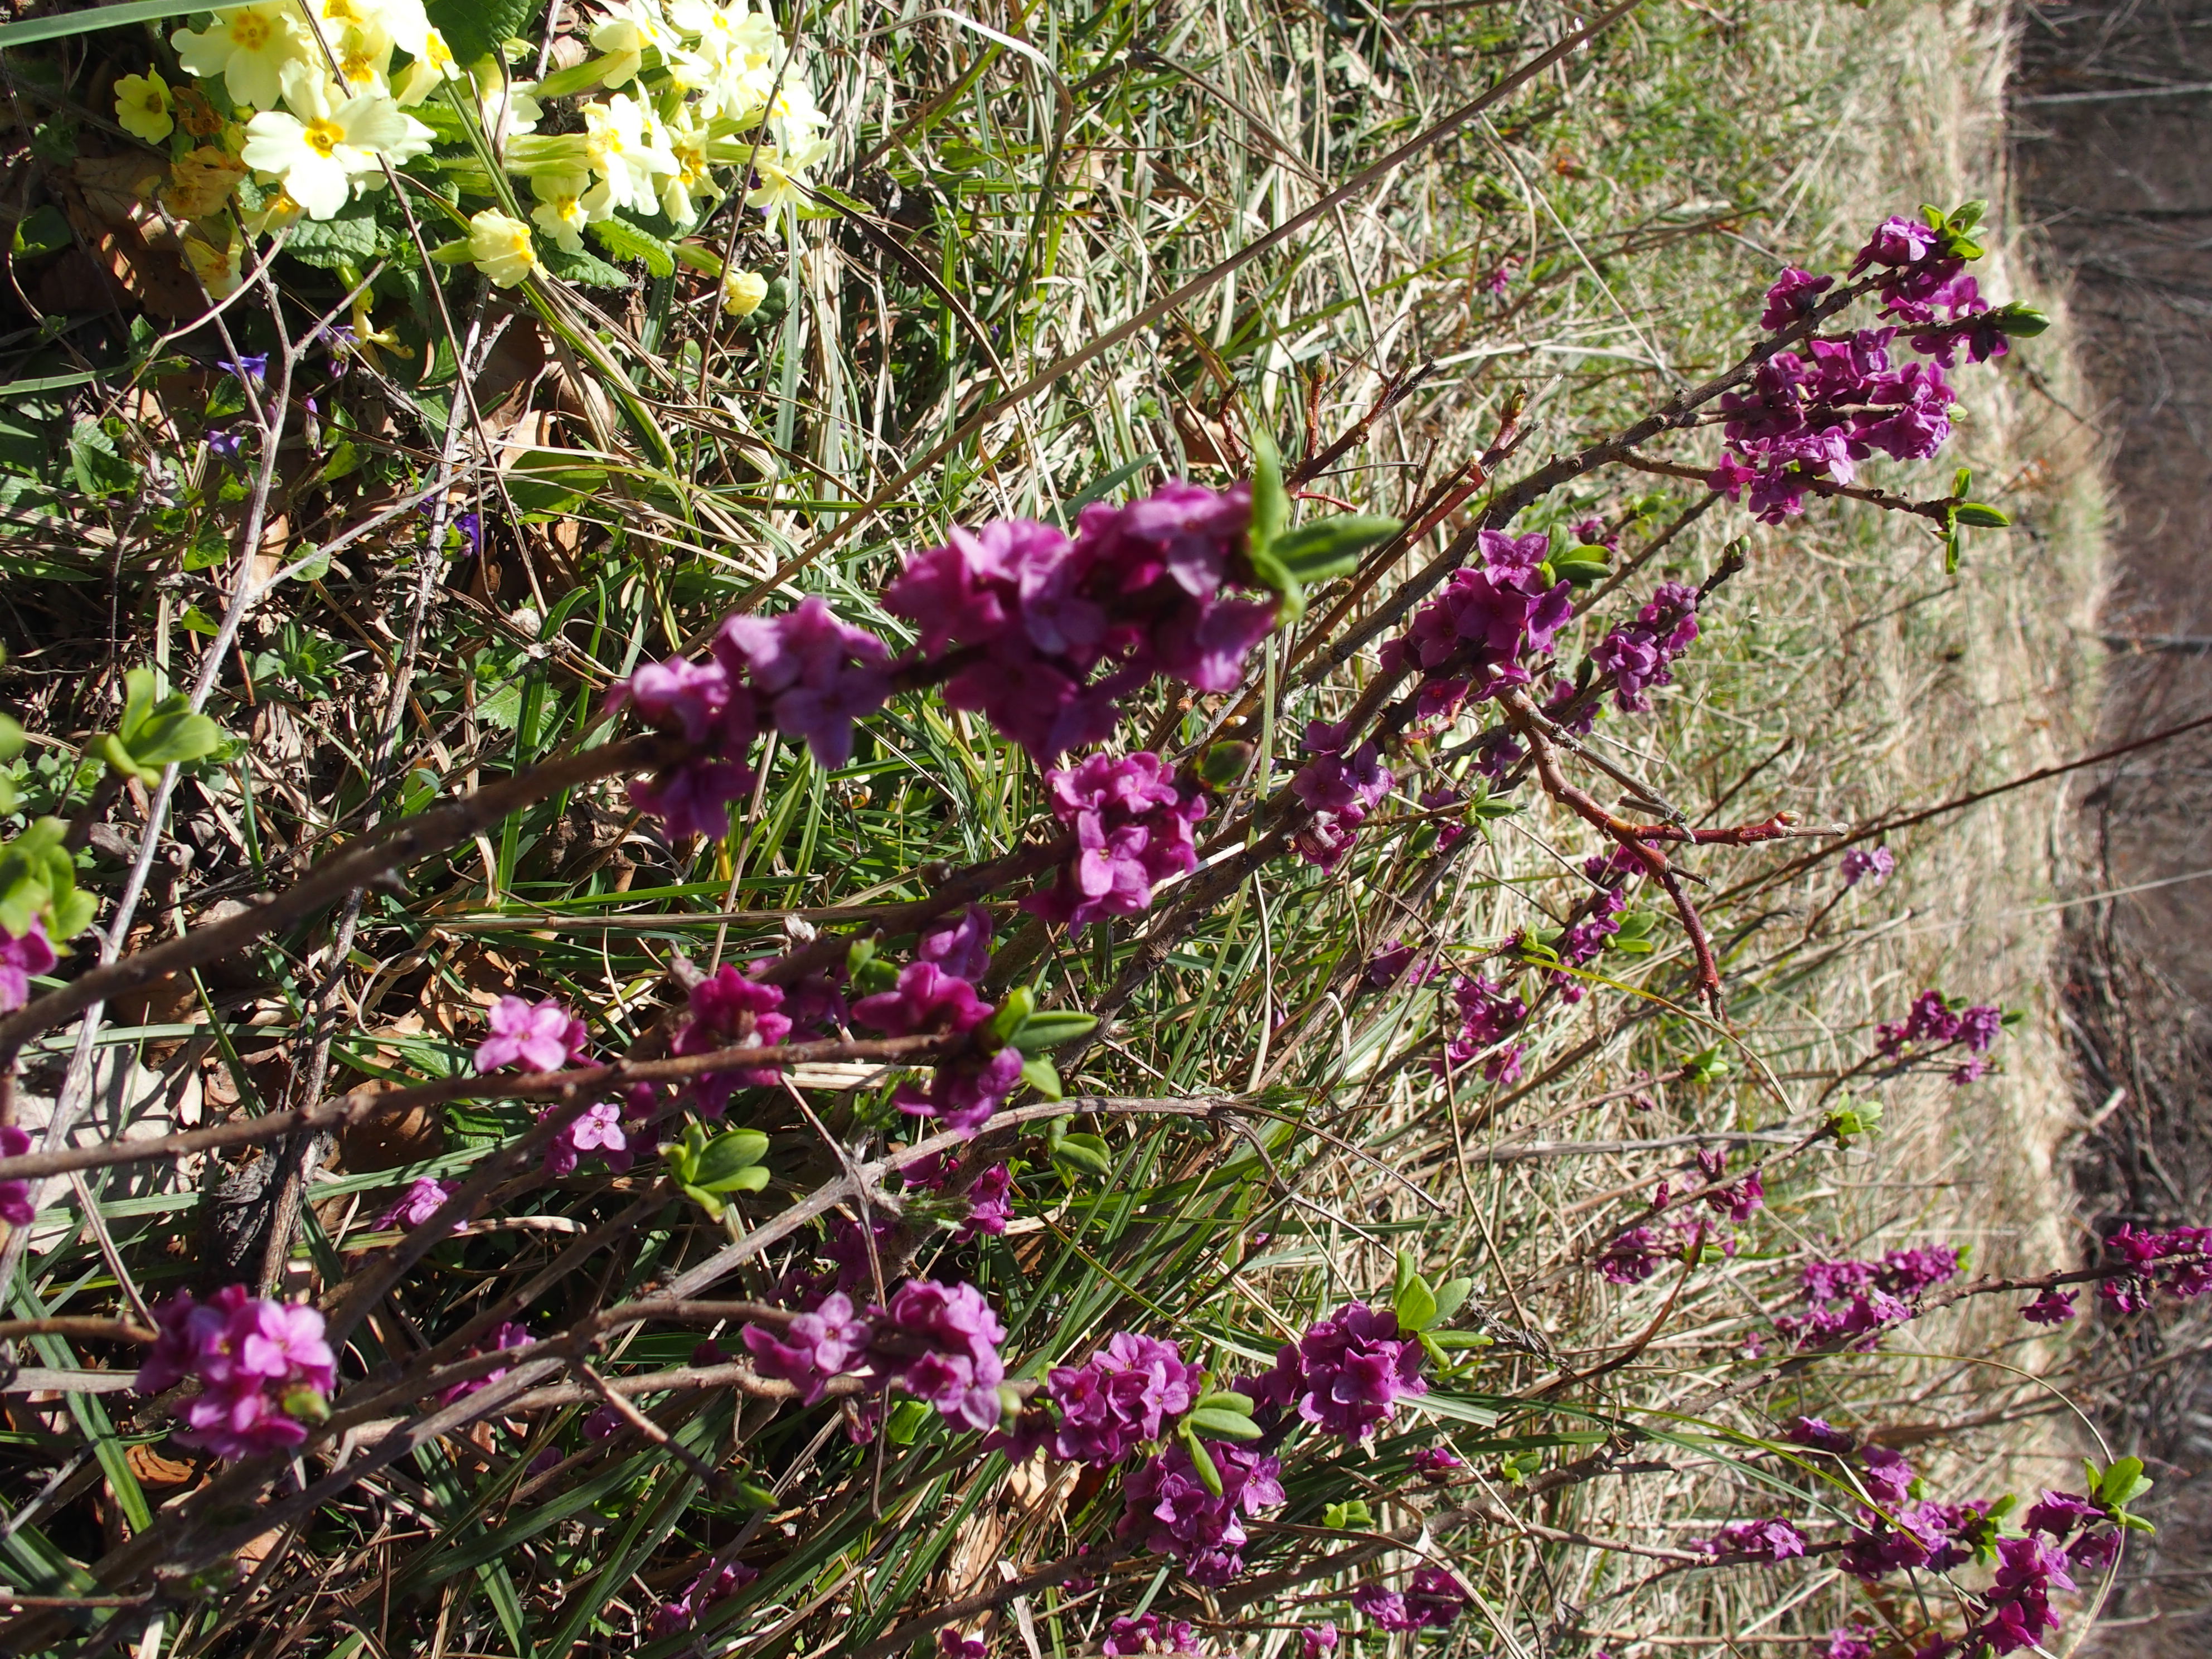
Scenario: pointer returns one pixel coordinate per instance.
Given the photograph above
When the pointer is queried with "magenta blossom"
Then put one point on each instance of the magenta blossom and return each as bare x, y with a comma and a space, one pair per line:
1794, 296
1132, 830
598, 1130
1124, 1395
1150, 1634
2052, 1307
962, 950
16, 1207
1753, 1540
1315, 1640
728, 1009
927, 999
816, 675
1872, 864
1169, 1511
1347, 1372
19, 959
262, 1366
424, 1197
941, 1342
542, 1036
829, 1342
506, 1335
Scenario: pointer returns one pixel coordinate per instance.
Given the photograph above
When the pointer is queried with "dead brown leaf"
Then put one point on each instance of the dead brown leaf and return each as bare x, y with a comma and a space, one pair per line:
201, 181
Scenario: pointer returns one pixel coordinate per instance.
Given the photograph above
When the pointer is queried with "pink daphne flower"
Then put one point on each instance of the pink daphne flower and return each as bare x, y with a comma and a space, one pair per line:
1753, 1540
1121, 1396
729, 1009
1794, 296
1168, 1509
21, 957
505, 1335
1132, 829
1347, 1372
261, 1366
542, 1036
927, 999
1871, 865
424, 1197
815, 675
830, 1341
599, 1129
1340, 790
1315, 1640
940, 1343
1432, 1598
16, 1207
2053, 1307
1149, 1634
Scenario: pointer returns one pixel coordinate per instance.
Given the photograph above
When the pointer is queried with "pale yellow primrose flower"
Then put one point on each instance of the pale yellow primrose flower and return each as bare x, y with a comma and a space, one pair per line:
434, 65
566, 204
319, 157
623, 153
742, 292
501, 247
249, 48
629, 30
405, 20
142, 105
363, 52
724, 35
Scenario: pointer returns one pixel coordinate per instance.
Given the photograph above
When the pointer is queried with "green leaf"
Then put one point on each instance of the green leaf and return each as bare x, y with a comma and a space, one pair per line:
2022, 322
158, 732
1200, 1460
1042, 1075
1270, 503
208, 547
11, 738
1085, 1153
1416, 1306
627, 241
1982, 516
1051, 1030
697, 257
95, 17
1008, 1017
1966, 216
349, 240
1331, 547
727, 1159
475, 29
585, 270
2123, 1483
41, 232
1583, 573
100, 470
1451, 1296
1226, 1400
905, 1421
1223, 1425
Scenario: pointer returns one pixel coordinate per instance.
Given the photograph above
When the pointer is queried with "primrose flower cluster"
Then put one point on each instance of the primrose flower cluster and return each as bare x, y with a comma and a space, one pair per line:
263, 1370
685, 99
1814, 413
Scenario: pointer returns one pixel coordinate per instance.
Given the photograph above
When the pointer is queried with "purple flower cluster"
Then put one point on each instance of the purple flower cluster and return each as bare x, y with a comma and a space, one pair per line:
1124, 1395
16, 1207
1872, 864
805, 673
424, 1197
1850, 1641
1633, 1256
539, 1036
2174, 1260
262, 1366
1391, 963
729, 1009
1495, 756
1345, 1372
505, 1335
1434, 1464
1752, 1540
827, 1342
20, 958
1920, 1534
1817, 411
1133, 832
2016, 1613
938, 1341
1855, 1301
1487, 1016
598, 1130
1931, 1026
1029, 614
1167, 1509
1816, 1434
1315, 1640
989, 1196
1638, 654
1432, 1599
1339, 791
716, 1583
1149, 1633
1487, 622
